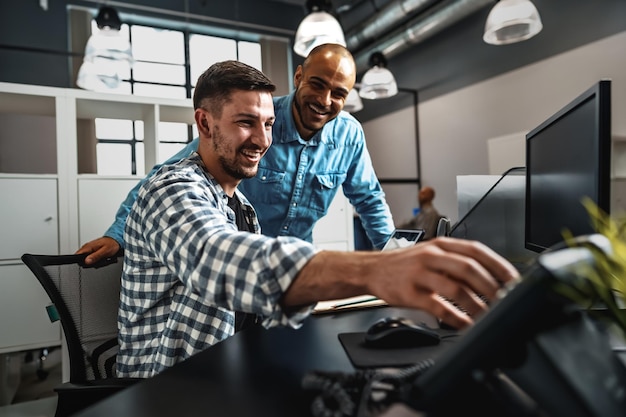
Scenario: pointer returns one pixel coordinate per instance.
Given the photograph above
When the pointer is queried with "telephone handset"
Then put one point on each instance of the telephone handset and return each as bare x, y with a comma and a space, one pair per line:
517, 359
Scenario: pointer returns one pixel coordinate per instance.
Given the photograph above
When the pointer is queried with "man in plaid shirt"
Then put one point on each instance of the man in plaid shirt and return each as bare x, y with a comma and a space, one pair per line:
194, 253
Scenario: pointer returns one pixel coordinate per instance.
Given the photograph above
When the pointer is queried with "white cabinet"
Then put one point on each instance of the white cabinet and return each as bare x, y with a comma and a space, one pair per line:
98, 201
24, 322
29, 223
28, 216
29, 213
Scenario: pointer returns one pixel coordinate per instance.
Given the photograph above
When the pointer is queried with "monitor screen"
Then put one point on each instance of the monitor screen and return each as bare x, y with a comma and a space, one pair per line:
568, 157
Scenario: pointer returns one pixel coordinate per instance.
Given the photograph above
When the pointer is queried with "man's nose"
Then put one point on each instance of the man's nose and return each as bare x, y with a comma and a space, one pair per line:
325, 98
261, 136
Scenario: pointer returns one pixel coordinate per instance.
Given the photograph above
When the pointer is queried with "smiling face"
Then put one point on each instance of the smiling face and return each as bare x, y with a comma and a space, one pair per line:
233, 142
322, 86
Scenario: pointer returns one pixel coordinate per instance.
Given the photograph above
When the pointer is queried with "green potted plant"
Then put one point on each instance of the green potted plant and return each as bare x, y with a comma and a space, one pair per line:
605, 283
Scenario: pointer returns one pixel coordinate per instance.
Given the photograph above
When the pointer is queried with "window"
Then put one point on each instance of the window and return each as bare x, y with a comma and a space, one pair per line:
161, 70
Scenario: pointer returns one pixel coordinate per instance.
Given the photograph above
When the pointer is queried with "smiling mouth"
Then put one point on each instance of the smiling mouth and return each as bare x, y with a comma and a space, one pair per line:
253, 155
317, 112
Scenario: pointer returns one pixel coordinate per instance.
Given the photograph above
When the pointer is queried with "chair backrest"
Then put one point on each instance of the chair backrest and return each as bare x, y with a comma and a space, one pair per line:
86, 300
443, 226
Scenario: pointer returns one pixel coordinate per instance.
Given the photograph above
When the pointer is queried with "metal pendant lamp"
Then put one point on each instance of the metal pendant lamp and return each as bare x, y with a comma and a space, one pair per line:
378, 82
108, 56
512, 21
317, 28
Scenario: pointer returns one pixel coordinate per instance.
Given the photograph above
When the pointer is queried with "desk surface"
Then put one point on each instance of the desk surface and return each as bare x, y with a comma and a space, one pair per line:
257, 372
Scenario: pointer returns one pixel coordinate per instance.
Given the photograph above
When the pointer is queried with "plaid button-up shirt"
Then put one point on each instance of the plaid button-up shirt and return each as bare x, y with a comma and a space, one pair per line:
187, 269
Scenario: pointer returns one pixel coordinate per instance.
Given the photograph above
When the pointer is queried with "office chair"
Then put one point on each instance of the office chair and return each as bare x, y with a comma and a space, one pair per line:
443, 227
85, 299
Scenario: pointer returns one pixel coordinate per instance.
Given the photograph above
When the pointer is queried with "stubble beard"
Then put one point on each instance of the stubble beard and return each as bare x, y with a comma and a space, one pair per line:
302, 119
230, 166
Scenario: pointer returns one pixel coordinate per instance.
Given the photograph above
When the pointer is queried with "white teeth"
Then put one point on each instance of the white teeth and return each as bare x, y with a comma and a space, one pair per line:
321, 113
251, 154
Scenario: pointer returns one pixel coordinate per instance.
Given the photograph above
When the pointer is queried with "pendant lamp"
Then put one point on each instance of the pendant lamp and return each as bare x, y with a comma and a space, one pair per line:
317, 28
512, 21
108, 55
378, 81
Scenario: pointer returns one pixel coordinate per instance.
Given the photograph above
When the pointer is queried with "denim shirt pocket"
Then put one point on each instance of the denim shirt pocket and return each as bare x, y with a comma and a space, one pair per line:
322, 195
267, 188
269, 176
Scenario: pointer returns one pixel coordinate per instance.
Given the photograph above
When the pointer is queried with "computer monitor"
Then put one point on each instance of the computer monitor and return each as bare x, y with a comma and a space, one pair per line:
568, 157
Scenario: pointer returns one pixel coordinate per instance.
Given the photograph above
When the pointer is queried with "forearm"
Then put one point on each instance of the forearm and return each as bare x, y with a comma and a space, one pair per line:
331, 275
116, 230
375, 216
422, 276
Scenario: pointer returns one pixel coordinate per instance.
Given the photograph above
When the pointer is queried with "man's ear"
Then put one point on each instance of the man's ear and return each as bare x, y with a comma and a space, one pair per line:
201, 121
297, 76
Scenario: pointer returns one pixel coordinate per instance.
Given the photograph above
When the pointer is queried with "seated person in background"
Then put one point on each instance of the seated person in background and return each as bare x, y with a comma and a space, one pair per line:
191, 259
317, 149
428, 216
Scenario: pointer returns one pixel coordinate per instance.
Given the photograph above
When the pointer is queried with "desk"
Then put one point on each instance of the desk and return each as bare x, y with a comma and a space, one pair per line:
257, 372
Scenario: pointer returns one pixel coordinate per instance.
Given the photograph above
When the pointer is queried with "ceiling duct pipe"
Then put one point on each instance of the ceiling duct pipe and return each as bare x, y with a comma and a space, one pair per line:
419, 29
380, 23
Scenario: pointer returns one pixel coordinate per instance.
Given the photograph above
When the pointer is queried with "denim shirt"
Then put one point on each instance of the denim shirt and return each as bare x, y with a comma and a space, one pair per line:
297, 179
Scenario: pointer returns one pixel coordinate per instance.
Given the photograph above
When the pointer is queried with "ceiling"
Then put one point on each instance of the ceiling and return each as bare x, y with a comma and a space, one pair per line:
455, 55
349, 12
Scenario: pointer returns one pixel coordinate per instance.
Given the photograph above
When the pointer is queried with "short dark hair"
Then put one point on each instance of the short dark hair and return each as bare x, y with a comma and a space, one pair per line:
216, 84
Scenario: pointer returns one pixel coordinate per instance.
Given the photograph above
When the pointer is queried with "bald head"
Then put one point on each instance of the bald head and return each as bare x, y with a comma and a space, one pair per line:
327, 50
426, 195
322, 83
332, 54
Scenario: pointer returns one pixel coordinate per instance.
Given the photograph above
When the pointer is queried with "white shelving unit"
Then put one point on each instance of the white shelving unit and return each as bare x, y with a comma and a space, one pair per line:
57, 211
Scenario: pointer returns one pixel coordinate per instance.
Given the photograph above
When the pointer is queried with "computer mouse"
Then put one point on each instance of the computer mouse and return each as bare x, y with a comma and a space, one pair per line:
399, 333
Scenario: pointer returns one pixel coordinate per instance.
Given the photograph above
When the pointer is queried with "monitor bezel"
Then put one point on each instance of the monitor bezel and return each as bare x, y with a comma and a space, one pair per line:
601, 93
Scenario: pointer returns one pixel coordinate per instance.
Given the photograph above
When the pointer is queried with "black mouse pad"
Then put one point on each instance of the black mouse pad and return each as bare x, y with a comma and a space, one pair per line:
362, 356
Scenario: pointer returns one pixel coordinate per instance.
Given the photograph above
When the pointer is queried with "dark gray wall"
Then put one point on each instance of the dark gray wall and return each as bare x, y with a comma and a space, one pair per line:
34, 42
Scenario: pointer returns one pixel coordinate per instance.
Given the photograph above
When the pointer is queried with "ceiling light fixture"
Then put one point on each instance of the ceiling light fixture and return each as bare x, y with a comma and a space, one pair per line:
108, 55
318, 27
378, 81
512, 21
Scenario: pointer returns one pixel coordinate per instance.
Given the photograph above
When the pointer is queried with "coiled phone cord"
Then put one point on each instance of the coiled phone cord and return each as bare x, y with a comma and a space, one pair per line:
358, 394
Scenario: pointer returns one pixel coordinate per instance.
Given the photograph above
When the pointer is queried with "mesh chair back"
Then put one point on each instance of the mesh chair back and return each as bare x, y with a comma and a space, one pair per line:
86, 300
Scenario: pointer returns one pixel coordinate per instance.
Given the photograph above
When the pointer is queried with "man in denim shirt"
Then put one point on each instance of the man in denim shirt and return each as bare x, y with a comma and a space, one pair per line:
316, 149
